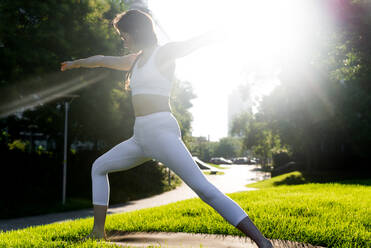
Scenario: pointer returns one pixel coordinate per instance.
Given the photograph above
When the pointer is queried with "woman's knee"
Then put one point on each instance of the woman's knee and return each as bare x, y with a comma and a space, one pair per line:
98, 167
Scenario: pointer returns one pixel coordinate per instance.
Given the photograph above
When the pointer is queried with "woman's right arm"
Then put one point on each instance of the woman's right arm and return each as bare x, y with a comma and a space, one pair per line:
122, 63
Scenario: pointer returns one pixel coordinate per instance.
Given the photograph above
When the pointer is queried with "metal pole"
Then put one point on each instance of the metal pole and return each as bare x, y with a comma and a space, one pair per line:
31, 141
65, 152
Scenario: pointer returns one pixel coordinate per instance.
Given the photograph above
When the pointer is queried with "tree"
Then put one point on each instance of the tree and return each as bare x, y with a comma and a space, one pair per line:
37, 37
321, 107
258, 136
180, 101
229, 147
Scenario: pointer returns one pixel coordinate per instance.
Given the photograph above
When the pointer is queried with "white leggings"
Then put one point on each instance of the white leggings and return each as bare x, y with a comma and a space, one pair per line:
158, 136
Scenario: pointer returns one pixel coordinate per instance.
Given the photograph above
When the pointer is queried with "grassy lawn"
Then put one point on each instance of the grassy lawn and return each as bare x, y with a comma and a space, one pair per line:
327, 214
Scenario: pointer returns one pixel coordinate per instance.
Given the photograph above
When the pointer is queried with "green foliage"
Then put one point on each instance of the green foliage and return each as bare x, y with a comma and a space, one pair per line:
103, 114
180, 102
319, 113
146, 180
18, 144
228, 147
280, 159
257, 135
4, 136
202, 148
37, 37
42, 150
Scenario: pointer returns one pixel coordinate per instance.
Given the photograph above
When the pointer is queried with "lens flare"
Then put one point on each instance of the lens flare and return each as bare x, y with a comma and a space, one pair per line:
36, 97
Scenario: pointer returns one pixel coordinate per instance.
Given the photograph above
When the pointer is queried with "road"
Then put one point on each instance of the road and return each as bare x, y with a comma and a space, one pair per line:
234, 180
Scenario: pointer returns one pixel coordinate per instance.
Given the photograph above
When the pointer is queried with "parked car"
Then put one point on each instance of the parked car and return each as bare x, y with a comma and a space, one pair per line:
229, 161
220, 160
252, 161
240, 160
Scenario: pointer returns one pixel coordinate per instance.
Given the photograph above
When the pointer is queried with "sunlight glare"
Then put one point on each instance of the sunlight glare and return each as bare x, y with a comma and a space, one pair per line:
256, 39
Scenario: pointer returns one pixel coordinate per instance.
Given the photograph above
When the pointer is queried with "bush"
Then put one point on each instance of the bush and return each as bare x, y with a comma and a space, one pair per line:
32, 183
28, 181
280, 159
289, 167
143, 180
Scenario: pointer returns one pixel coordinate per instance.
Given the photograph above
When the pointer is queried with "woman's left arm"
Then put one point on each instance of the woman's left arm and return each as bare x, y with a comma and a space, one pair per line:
173, 50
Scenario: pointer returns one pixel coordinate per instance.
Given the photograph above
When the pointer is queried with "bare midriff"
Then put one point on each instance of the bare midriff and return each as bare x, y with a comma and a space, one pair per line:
145, 104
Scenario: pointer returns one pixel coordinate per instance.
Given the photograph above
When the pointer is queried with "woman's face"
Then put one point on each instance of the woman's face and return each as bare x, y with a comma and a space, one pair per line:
128, 41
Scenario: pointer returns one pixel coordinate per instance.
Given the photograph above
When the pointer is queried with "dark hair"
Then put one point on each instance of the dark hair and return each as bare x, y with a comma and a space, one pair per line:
139, 25
128, 74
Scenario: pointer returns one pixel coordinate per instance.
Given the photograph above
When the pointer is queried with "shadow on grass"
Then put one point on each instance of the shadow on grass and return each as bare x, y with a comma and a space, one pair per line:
324, 177
127, 237
292, 180
364, 182
117, 235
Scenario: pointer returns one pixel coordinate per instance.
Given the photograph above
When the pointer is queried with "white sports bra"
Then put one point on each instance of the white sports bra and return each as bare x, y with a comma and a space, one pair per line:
148, 79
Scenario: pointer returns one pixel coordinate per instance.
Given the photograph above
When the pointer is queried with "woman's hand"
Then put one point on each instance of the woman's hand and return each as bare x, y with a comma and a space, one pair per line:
122, 63
69, 65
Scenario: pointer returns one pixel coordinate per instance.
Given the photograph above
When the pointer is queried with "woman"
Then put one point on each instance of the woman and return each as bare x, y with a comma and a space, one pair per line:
156, 131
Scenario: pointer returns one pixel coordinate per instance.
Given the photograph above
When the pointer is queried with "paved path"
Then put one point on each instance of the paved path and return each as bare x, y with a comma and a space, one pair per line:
190, 240
233, 180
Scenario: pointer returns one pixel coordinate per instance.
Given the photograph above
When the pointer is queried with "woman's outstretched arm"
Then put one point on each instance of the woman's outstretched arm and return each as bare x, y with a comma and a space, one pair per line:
174, 50
122, 63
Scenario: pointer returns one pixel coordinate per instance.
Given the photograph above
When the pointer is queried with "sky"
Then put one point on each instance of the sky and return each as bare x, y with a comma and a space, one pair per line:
256, 36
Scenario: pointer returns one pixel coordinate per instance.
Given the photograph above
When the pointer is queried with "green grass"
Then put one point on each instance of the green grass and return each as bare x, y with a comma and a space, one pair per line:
330, 214
217, 173
217, 166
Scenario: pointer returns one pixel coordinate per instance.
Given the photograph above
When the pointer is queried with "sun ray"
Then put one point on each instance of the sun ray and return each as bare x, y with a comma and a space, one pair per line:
38, 97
